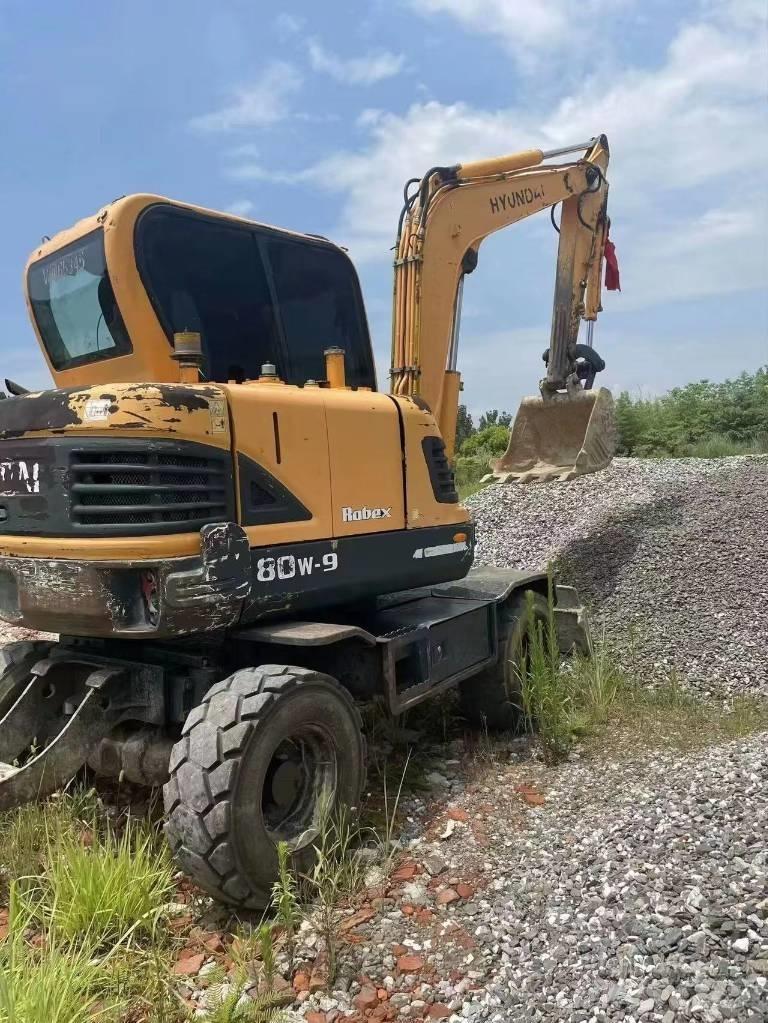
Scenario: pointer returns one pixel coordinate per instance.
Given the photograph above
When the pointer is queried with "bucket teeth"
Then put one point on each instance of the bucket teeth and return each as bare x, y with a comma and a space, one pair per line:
559, 438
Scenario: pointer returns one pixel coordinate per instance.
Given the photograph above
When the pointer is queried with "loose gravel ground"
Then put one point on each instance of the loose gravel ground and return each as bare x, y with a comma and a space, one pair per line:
633, 889
639, 896
670, 554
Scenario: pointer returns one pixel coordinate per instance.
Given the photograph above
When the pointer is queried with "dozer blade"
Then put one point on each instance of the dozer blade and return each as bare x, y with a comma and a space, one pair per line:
558, 439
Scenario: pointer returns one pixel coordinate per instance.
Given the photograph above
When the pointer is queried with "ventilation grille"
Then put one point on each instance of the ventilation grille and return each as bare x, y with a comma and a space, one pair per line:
148, 490
440, 471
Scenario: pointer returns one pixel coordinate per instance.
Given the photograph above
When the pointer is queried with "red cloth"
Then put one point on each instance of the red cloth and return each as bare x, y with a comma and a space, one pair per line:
612, 282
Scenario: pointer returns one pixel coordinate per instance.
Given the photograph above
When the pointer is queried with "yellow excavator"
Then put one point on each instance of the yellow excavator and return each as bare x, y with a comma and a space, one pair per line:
237, 537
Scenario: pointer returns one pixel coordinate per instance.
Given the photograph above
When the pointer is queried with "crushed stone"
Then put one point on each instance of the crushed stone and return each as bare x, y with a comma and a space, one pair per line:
668, 554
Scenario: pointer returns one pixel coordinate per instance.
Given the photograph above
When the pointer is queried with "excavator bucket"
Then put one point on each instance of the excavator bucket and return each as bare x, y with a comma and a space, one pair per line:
559, 438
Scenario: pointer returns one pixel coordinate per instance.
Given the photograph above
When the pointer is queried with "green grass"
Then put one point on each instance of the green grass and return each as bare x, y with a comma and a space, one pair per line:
667, 716
336, 876
86, 898
720, 445
30, 832
230, 1007
52, 984
593, 700
102, 892
469, 472
549, 698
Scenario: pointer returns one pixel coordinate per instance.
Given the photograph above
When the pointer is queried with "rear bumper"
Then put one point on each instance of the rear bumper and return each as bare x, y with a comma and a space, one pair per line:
161, 598
227, 584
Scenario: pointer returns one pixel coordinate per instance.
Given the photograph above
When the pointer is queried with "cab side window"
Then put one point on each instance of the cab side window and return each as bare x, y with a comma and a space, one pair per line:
254, 294
208, 276
319, 309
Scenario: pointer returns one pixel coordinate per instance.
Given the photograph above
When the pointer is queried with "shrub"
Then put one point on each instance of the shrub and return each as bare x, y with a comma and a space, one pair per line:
701, 419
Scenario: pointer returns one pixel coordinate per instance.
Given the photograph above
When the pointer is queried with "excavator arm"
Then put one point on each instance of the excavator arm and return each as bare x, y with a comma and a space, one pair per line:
442, 226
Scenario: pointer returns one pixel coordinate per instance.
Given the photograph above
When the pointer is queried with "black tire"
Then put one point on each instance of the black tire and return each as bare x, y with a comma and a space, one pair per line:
493, 699
16, 662
228, 799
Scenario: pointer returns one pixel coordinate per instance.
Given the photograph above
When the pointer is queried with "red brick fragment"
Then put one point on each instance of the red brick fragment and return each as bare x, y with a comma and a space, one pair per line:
410, 964
446, 897
362, 916
301, 981
406, 871
457, 814
367, 999
189, 965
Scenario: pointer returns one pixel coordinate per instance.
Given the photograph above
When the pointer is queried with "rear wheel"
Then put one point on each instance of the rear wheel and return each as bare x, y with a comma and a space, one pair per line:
493, 699
256, 762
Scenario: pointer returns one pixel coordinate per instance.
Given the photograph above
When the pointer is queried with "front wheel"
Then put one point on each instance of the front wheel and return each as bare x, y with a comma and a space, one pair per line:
493, 699
263, 756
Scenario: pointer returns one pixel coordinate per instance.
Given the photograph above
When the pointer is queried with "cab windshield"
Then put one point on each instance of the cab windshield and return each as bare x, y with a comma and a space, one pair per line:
74, 306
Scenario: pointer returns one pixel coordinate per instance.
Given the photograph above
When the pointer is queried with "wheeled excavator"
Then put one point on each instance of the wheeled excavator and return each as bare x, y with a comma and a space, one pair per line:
238, 538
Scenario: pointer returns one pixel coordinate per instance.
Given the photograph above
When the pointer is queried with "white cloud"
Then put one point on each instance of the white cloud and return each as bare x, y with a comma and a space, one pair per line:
366, 70
752, 14
260, 105
688, 140
252, 170
527, 31
241, 207
288, 24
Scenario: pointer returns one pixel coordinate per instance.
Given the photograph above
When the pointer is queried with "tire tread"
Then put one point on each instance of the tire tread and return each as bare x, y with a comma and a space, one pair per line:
201, 782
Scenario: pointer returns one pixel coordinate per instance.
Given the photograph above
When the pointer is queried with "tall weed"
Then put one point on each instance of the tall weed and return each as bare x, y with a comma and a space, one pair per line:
47, 984
338, 873
285, 900
547, 695
105, 892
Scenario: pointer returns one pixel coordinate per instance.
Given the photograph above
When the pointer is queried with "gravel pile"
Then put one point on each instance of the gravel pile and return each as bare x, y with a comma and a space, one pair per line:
633, 889
637, 895
669, 554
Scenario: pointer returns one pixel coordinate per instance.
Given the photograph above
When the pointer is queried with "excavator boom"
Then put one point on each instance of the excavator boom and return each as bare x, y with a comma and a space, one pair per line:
569, 429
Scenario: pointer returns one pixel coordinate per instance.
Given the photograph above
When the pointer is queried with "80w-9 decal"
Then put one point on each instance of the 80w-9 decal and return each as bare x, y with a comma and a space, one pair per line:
288, 566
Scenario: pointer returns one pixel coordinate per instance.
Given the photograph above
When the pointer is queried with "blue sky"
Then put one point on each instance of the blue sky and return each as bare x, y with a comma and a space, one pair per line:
311, 116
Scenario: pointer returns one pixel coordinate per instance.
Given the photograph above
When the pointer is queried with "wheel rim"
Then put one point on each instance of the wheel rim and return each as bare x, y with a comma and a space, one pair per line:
299, 786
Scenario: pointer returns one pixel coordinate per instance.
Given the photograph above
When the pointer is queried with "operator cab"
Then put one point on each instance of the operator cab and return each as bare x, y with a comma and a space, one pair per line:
254, 293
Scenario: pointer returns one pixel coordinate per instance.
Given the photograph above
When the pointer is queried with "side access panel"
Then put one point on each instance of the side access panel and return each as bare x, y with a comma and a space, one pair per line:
486, 582
432, 638
431, 644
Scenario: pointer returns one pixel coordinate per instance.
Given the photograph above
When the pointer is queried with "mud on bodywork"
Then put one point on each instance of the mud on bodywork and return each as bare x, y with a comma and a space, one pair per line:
197, 411
170, 597
65, 461
228, 584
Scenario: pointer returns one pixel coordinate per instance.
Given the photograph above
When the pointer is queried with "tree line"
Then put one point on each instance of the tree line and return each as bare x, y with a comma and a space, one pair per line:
702, 419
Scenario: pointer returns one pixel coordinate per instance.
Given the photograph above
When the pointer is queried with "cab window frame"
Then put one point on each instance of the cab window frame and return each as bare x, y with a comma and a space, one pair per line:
122, 344
260, 236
